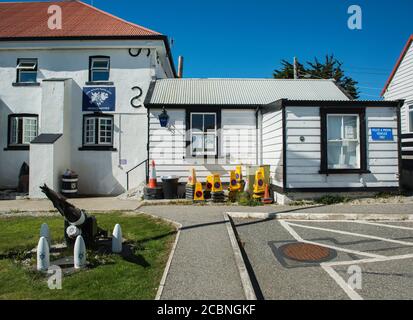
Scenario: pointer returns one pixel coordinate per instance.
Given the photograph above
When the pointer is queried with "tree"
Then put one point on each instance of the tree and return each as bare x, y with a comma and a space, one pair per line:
331, 68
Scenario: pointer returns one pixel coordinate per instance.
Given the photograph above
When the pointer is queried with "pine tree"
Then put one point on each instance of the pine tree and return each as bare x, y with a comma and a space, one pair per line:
331, 68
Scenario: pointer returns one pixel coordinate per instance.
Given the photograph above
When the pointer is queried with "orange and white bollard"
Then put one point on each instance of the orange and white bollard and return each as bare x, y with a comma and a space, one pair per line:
152, 176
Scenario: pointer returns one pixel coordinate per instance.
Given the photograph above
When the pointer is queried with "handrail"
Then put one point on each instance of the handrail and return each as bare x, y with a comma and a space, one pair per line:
135, 167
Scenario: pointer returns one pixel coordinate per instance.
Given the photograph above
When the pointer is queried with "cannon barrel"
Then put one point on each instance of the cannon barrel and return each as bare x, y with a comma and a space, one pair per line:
72, 214
76, 220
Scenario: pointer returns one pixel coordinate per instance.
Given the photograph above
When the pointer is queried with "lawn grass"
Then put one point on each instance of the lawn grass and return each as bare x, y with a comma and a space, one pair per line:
118, 279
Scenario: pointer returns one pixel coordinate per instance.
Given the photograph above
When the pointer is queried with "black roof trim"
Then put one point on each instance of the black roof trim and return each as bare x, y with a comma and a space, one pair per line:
46, 138
149, 94
342, 103
185, 106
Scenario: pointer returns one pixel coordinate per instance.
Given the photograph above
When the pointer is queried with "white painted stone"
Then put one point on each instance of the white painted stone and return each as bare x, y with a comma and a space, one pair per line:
45, 232
79, 254
43, 255
117, 239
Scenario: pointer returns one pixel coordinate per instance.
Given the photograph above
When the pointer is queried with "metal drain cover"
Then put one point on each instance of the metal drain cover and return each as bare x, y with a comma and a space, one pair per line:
305, 252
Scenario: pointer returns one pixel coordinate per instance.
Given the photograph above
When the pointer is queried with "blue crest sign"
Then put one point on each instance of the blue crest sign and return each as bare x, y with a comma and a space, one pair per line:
99, 99
382, 134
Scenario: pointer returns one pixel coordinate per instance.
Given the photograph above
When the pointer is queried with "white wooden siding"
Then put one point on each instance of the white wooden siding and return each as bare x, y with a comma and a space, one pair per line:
272, 145
401, 87
304, 158
168, 145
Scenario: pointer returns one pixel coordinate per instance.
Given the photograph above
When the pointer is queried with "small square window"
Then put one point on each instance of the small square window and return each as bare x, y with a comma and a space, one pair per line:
99, 69
27, 70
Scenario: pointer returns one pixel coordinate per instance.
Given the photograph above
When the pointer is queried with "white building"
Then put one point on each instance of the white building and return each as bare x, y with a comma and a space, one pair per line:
89, 97
315, 139
400, 86
44, 76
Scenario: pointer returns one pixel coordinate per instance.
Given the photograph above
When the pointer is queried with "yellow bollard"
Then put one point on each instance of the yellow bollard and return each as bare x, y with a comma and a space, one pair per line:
259, 186
238, 173
199, 193
209, 183
234, 184
216, 185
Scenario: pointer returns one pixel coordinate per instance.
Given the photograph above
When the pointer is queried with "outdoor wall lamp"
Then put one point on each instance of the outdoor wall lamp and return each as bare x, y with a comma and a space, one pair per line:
163, 118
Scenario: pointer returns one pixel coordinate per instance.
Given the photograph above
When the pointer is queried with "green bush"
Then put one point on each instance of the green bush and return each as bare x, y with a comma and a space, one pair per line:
245, 199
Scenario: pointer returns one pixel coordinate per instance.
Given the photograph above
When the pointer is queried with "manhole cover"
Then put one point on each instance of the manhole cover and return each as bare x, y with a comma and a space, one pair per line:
305, 252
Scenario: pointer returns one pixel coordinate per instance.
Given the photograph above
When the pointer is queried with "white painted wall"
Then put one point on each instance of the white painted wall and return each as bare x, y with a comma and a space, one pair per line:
167, 145
100, 172
304, 158
401, 87
44, 169
272, 145
56, 107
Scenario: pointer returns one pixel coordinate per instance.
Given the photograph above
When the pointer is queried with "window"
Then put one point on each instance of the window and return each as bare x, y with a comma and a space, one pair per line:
26, 71
99, 69
98, 130
22, 130
343, 141
410, 110
203, 134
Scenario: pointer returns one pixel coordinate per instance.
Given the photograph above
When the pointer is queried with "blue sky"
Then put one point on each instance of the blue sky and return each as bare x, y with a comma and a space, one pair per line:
239, 38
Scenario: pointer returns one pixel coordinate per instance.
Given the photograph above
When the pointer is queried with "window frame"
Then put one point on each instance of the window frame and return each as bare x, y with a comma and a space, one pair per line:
409, 114
358, 138
204, 134
20, 70
91, 70
209, 110
96, 144
20, 137
362, 132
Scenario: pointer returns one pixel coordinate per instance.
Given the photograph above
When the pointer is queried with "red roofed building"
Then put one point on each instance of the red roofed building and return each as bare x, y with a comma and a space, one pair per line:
72, 97
30, 20
400, 86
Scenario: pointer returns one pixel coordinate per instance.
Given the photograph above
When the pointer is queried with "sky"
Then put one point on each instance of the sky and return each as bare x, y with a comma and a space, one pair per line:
248, 39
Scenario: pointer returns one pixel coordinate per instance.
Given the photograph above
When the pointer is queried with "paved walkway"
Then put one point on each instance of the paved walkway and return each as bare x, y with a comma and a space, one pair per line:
203, 266
89, 204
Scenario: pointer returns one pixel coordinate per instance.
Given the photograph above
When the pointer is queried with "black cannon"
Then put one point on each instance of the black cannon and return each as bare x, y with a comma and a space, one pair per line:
77, 221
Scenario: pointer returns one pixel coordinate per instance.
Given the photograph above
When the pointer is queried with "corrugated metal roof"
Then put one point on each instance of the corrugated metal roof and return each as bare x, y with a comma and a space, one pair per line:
241, 91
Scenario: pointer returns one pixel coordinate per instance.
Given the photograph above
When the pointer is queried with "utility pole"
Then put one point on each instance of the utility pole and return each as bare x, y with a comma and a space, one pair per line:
295, 68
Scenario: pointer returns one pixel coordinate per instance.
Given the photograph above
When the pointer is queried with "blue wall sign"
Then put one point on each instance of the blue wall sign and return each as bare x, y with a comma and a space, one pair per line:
382, 134
99, 99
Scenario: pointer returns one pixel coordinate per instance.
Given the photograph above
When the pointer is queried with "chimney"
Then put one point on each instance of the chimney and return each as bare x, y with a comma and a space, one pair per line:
180, 66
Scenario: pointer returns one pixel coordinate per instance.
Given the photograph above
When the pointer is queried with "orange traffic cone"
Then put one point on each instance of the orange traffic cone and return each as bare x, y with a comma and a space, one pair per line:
267, 199
152, 176
192, 177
